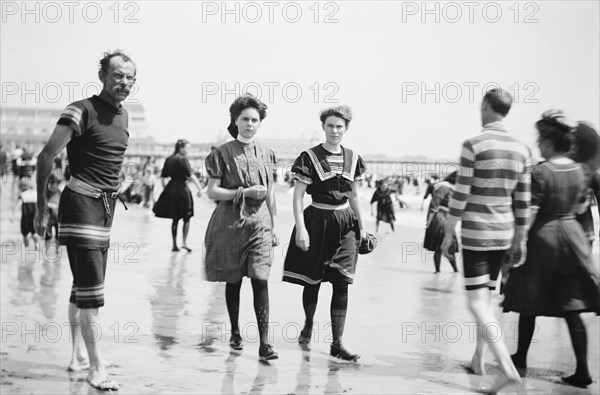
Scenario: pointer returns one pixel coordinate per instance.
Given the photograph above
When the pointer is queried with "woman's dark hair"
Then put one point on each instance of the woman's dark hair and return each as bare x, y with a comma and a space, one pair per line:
343, 112
239, 105
451, 178
180, 144
585, 144
556, 128
500, 100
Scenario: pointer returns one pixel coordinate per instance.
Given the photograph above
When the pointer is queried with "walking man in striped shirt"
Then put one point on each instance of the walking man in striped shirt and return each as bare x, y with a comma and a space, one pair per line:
491, 197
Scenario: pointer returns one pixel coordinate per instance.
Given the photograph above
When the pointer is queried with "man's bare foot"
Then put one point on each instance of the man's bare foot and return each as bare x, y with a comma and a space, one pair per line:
501, 382
81, 362
476, 366
84, 364
102, 382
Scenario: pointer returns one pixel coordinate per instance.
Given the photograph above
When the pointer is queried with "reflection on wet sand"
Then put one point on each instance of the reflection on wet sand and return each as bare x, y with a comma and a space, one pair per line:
167, 304
333, 384
266, 374
46, 296
230, 367
303, 378
412, 327
212, 320
26, 285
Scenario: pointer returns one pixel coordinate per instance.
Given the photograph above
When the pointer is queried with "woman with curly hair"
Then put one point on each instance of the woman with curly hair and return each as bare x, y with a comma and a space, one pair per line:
240, 235
324, 243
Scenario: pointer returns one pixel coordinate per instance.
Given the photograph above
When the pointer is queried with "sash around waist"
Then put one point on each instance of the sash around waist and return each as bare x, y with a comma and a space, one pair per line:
85, 189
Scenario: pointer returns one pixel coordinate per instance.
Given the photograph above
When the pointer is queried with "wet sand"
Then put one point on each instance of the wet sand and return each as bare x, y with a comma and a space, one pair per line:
166, 328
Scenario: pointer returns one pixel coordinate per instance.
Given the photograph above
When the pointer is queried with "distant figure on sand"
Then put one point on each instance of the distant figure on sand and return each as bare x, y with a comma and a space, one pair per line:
436, 222
385, 205
26, 202
175, 201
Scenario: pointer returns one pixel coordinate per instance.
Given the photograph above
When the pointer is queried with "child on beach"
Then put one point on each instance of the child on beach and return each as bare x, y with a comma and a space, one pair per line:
27, 203
53, 194
148, 181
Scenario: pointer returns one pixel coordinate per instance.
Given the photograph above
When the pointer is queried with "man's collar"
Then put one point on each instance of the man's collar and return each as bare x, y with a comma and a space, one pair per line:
495, 126
109, 104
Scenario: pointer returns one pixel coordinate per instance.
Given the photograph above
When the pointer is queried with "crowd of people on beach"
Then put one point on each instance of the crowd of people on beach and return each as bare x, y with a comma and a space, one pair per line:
532, 222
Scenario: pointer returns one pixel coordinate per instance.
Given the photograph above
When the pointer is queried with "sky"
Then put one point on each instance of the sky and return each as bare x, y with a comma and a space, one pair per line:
413, 72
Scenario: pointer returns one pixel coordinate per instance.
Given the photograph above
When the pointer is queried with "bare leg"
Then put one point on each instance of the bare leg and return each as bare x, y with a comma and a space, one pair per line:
490, 333
186, 229
97, 377
79, 359
174, 234
453, 264
437, 258
478, 359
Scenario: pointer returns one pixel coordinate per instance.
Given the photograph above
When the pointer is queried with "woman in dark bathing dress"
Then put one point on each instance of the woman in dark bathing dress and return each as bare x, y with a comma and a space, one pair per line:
558, 278
324, 243
176, 201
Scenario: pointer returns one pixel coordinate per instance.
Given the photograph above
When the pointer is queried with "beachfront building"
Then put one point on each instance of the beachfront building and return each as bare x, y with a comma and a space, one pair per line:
31, 127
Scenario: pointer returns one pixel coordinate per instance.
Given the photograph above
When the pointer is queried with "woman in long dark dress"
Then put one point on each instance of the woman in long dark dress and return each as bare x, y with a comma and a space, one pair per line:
324, 243
385, 205
240, 235
558, 278
176, 201
436, 221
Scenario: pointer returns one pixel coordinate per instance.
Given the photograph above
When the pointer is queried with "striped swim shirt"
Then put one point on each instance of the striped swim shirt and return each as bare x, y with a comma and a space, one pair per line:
492, 192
